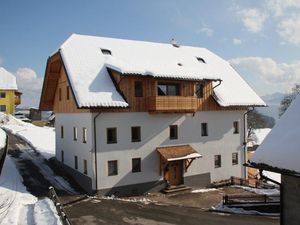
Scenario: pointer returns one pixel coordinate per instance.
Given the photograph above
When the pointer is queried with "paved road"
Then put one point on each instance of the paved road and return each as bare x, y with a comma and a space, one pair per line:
38, 176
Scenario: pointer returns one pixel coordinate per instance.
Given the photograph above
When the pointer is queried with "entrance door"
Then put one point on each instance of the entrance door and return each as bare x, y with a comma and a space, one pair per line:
173, 173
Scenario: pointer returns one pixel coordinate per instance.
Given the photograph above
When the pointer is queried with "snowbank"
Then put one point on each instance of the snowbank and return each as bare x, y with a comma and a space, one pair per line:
204, 190
41, 138
2, 138
17, 206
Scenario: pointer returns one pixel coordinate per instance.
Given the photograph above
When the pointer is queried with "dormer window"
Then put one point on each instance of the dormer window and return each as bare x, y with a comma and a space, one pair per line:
179, 64
105, 51
201, 60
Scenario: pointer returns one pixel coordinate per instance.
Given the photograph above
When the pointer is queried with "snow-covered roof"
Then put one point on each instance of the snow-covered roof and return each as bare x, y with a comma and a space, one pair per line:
7, 80
258, 135
86, 59
281, 148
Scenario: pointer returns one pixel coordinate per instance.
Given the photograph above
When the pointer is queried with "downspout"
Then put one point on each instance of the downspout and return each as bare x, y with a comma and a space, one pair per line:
220, 81
245, 140
95, 151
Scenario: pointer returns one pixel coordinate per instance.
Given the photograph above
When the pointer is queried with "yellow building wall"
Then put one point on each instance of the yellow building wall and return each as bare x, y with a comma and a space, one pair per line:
9, 101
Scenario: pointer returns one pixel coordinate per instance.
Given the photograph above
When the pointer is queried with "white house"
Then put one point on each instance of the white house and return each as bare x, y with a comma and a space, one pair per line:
134, 116
280, 152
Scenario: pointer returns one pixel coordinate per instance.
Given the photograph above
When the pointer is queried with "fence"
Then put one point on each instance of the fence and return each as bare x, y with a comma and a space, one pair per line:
250, 199
60, 210
239, 181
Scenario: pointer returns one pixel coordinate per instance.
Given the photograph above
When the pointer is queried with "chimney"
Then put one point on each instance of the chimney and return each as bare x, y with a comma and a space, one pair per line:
173, 42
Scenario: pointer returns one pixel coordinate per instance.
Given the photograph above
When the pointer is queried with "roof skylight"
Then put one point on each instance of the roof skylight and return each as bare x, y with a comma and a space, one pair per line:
200, 59
105, 51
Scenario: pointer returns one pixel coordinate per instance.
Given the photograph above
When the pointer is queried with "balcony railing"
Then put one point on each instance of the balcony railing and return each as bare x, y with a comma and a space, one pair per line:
172, 103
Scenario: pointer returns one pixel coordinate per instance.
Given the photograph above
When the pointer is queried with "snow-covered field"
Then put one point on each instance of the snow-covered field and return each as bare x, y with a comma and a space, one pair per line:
41, 138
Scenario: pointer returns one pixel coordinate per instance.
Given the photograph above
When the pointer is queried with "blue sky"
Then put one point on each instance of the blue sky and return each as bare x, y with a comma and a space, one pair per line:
261, 39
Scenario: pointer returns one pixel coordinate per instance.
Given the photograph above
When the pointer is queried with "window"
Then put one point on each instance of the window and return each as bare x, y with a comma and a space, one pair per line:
2, 108
168, 89
136, 165
68, 93
75, 133
138, 89
199, 90
61, 131
105, 51
84, 135
85, 166
76, 162
204, 129
236, 127
59, 94
235, 159
217, 161
173, 132
62, 156
200, 59
2, 95
112, 167
111, 134
135, 134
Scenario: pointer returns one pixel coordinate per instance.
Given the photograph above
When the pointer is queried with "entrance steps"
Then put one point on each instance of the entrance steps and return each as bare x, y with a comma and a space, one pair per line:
176, 189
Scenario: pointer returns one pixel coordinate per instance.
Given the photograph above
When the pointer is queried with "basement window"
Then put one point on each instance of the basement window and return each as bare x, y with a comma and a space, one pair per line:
105, 51
201, 60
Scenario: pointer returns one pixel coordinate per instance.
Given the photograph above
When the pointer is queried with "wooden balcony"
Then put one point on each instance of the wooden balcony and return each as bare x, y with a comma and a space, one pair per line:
184, 104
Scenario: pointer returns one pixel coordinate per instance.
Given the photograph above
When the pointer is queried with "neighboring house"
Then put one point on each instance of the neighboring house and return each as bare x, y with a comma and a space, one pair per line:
35, 114
10, 97
280, 152
133, 116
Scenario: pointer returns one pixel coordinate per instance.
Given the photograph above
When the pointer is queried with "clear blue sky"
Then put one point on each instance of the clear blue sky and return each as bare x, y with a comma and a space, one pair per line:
261, 39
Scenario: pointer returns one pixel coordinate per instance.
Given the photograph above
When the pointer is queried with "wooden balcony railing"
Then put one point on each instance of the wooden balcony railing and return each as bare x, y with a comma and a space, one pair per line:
172, 104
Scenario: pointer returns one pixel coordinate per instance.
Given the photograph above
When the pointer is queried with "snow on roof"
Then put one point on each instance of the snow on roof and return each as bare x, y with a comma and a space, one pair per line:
281, 148
2, 138
258, 135
87, 58
7, 80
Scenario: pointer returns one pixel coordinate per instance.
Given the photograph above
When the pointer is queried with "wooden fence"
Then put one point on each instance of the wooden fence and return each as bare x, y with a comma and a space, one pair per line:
250, 199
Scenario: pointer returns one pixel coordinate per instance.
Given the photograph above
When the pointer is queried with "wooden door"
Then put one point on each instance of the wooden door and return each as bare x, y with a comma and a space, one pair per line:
173, 173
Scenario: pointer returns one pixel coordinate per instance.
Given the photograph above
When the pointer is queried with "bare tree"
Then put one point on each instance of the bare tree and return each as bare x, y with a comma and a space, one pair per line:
288, 98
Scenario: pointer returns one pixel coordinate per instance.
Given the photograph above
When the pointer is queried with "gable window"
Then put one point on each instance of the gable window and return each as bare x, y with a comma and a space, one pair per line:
136, 165
204, 129
85, 166
76, 162
201, 60
61, 131
75, 133
135, 134
112, 167
68, 93
217, 161
168, 89
62, 156
2, 95
59, 94
199, 90
105, 51
236, 127
138, 88
111, 135
173, 132
84, 135
235, 159
2, 108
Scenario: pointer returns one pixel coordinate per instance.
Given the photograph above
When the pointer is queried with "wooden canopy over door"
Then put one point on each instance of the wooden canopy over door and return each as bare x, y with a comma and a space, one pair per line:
174, 160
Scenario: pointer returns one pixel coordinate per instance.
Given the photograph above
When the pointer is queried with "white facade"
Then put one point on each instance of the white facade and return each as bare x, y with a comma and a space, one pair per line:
221, 140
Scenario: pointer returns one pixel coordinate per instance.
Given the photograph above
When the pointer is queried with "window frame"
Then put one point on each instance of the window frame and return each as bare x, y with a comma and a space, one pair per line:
236, 129
138, 139
61, 132
235, 161
199, 90
114, 137
204, 129
2, 94
218, 161
115, 170
168, 85
138, 88
62, 156
173, 128
68, 92
76, 162
59, 94
75, 134
3, 108
137, 168
84, 135
85, 170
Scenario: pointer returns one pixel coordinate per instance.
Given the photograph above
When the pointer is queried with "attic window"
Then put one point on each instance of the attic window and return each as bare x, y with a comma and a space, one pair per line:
200, 60
105, 51
179, 64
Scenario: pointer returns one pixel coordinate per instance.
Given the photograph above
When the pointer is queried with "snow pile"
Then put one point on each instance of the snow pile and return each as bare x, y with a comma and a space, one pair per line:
41, 138
260, 191
2, 138
17, 206
280, 149
145, 201
204, 190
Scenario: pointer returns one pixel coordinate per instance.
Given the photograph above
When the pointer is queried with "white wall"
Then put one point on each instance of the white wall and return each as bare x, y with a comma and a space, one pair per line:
155, 132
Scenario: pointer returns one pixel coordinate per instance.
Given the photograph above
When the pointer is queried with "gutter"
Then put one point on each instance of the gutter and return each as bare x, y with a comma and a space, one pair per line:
220, 81
95, 153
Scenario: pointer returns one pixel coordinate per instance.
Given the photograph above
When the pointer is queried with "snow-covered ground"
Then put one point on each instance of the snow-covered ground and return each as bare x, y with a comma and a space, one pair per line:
41, 138
17, 206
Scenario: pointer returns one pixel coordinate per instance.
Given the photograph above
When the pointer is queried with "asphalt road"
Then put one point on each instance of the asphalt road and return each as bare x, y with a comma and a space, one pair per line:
38, 176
